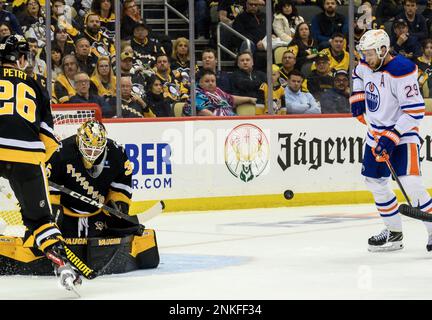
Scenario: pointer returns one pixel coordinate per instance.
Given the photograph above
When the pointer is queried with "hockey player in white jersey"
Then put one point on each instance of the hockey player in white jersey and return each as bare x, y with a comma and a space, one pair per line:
387, 94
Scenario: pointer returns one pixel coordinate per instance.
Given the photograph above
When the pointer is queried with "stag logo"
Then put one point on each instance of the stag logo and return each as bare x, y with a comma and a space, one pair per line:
246, 152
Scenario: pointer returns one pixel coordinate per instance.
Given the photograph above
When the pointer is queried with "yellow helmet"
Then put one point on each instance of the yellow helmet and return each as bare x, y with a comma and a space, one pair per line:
91, 140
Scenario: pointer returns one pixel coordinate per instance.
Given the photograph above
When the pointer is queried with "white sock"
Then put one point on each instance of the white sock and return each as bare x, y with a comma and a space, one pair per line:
386, 202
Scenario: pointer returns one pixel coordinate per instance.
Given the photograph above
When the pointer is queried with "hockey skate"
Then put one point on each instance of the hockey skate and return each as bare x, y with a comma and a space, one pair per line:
67, 275
386, 241
429, 244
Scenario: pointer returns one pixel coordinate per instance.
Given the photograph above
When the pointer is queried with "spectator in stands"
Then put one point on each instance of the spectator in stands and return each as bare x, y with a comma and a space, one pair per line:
100, 44
5, 30
336, 100
59, 20
320, 80
304, 47
10, 19
424, 64
427, 14
64, 86
173, 89
286, 19
86, 60
63, 41
416, 22
209, 62
228, 10
403, 42
56, 59
251, 24
105, 10
388, 9
132, 106
129, 19
155, 99
145, 48
30, 15
39, 65
83, 95
246, 81
202, 18
180, 60
325, 24
288, 64
82, 7
298, 102
138, 74
339, 57
278, 106
212, 101
103, 81
29, 70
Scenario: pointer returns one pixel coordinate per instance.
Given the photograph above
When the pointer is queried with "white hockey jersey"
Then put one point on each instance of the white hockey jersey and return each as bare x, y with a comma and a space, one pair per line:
392, 98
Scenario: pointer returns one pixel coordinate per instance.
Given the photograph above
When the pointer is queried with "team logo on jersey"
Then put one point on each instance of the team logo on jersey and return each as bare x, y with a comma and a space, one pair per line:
247, 152
372, 97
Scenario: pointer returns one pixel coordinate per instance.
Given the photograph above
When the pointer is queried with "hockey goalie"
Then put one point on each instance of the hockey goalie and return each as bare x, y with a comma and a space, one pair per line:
97, 168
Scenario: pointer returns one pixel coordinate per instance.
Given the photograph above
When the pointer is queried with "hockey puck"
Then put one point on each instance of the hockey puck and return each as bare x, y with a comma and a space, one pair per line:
288, 194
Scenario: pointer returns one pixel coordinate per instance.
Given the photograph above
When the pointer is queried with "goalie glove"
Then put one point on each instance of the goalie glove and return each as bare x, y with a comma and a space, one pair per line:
386, 143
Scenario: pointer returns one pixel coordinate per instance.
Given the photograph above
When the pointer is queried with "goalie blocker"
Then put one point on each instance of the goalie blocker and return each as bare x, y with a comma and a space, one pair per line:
103, 255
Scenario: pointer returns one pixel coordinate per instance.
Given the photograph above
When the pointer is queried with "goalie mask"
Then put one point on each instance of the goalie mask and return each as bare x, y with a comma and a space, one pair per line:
91, 140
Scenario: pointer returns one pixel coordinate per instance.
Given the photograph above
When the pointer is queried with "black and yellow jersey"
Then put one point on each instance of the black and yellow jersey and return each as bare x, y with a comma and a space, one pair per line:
109, 180
26, 124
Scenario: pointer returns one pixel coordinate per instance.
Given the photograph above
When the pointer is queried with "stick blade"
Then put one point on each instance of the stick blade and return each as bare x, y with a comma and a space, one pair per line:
414, 213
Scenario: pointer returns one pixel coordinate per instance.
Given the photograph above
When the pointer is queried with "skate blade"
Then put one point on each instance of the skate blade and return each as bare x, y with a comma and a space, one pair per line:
394, 246
69, 286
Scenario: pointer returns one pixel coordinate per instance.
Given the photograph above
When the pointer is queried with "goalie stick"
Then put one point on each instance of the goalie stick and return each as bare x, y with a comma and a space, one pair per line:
155, 210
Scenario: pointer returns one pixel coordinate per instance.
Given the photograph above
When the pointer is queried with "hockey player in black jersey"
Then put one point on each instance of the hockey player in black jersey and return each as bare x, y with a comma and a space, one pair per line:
95, 166
26, 142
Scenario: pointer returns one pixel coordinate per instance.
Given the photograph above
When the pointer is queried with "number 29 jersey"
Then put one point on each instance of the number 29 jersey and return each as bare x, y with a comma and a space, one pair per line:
26, 124
392, 98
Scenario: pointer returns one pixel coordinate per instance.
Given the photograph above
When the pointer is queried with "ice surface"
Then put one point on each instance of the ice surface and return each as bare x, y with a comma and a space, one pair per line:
283, 253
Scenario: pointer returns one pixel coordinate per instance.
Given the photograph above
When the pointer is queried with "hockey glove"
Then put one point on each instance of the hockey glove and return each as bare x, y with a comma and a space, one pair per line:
358, 106
387, 141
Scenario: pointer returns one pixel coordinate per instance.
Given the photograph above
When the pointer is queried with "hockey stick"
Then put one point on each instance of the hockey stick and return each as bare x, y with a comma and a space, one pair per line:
405, 209
157, 208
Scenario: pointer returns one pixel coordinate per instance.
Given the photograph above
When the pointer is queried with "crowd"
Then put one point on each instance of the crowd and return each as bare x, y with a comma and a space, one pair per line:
310, 72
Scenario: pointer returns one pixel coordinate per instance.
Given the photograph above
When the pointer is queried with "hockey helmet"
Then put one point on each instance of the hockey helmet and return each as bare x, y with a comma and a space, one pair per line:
91, 140
13, 47
375, 40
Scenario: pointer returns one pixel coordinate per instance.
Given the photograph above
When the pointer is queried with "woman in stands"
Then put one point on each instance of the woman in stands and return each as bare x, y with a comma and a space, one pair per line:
56, 62
303, 46
212, 101
5, 29
155, 99
286, 19
103, 81
180, 61
63, 41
